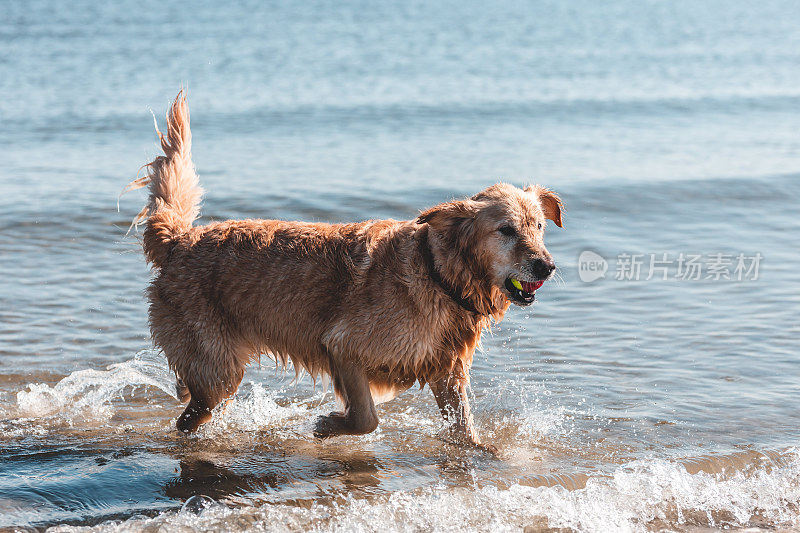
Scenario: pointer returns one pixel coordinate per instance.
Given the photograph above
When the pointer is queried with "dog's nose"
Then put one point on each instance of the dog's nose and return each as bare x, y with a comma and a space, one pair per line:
542, 267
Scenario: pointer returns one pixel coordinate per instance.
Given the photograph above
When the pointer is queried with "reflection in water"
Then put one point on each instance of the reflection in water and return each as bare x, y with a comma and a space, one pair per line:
203, 477
276, 476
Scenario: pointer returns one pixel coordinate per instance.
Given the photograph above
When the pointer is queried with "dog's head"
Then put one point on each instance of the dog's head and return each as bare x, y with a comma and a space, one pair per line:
493, 243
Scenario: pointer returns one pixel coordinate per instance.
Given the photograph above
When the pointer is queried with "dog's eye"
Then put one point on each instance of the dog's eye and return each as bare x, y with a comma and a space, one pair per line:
508, 231
540, 225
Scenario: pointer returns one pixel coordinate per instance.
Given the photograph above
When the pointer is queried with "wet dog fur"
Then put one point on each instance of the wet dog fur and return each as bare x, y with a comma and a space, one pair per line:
377, 306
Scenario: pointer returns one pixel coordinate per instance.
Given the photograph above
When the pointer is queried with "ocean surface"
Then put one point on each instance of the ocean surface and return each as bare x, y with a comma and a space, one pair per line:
655, 385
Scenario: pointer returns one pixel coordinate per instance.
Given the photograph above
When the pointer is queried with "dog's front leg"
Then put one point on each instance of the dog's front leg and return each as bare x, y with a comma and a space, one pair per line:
451, 396
359, 417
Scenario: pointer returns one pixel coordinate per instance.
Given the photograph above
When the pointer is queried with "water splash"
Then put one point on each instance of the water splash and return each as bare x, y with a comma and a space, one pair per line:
522, 413
259, 409
88, 395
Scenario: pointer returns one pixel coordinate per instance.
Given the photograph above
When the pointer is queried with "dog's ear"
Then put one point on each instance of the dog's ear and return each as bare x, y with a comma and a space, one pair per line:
449, 213
551, 205
550, 202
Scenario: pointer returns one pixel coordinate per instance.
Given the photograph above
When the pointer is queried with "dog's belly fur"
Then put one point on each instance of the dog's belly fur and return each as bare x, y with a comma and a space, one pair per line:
310, 293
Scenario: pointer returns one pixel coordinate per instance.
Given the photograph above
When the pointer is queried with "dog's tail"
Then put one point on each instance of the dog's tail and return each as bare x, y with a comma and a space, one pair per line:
175, 192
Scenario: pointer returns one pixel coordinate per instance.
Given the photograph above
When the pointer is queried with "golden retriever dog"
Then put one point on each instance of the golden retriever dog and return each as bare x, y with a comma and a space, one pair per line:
376, 306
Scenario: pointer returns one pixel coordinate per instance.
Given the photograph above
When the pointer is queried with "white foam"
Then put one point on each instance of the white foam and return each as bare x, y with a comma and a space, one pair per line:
88, 395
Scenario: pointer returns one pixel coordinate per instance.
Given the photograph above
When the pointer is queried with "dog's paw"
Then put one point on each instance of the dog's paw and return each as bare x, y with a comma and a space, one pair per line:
465, 437
329, 426
488, 448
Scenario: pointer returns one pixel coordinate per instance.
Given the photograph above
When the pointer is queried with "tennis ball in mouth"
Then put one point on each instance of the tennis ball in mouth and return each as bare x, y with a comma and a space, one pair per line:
516, 283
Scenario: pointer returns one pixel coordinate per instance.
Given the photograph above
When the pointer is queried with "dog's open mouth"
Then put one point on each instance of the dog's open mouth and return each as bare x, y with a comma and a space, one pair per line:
522, 292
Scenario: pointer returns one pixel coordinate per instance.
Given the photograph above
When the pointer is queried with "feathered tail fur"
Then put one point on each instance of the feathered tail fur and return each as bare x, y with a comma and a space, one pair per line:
175, 192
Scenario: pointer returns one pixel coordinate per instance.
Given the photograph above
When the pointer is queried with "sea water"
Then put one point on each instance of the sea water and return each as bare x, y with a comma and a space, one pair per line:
653, 385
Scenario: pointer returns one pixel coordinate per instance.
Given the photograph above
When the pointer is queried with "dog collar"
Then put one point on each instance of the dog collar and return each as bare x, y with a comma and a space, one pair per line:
455, 295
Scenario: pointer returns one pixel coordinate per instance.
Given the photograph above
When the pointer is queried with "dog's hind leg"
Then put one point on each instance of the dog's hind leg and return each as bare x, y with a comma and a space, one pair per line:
360, 417
205, 397
197, 412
